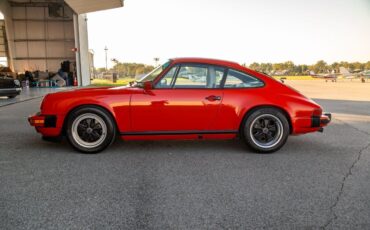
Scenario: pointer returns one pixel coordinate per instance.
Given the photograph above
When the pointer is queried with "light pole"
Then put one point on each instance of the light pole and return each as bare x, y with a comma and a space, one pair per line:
106, 58
156, 60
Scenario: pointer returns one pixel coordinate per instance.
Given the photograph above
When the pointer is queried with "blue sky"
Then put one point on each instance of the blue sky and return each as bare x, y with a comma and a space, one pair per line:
239, 30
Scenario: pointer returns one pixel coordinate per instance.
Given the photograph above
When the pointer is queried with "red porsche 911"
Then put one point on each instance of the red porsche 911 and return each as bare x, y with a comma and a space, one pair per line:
185, 98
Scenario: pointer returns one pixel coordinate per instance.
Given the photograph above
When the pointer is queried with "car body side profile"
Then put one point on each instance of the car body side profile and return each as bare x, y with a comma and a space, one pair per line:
185, 98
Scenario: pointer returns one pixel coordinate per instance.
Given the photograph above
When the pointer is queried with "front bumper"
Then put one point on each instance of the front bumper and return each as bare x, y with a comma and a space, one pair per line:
43, 121
10, 91
320, 121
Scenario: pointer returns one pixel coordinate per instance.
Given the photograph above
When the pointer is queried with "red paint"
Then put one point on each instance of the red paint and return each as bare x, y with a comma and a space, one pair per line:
155, 110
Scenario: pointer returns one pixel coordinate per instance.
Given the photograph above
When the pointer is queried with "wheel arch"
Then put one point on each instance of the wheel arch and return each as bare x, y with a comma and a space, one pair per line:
251, 110
74, 108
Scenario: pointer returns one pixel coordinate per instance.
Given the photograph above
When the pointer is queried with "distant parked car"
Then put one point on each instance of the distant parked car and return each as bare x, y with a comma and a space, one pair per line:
9, 87
230, 101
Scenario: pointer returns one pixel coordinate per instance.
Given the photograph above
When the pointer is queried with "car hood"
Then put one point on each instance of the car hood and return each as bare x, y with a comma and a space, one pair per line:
96, 91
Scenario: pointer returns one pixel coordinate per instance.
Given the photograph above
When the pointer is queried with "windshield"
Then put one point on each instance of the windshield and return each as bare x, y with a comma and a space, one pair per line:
154, 74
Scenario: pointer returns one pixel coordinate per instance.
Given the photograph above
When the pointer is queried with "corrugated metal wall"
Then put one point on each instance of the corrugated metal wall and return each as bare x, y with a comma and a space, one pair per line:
43, 37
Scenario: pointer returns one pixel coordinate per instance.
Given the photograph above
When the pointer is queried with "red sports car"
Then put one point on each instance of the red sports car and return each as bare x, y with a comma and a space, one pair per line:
185, 98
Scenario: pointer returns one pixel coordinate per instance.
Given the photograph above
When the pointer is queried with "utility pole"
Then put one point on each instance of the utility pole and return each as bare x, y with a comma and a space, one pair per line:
106, 58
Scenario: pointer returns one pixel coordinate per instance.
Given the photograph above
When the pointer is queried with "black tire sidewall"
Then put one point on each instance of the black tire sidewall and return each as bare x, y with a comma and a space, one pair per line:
248, 122
111, 129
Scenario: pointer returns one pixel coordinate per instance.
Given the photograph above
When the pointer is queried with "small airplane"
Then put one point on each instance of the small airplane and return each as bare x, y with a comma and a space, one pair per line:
356, 74
365, 73
346, 74
327, 76
342, 72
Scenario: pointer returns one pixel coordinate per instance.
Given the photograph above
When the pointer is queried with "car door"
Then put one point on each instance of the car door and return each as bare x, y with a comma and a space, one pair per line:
241, 91
186, 100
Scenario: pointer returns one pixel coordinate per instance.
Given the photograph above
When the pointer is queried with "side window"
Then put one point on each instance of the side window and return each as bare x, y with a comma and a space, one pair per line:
192, 76
236, 79
167, 79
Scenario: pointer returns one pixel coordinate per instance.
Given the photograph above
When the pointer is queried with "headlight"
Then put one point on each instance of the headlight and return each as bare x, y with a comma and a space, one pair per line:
17, 83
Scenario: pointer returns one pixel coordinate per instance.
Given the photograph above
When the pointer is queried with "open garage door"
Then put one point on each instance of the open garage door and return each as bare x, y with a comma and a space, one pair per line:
3, 45
42, 34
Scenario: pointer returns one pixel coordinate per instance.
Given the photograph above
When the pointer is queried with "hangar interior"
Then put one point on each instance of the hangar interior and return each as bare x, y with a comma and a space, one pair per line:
38, 35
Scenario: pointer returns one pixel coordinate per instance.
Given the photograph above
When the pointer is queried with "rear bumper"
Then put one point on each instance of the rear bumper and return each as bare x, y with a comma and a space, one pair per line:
320, 121
310, 124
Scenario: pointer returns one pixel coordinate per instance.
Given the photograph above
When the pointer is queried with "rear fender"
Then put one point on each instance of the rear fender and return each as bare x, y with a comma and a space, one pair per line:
251, 110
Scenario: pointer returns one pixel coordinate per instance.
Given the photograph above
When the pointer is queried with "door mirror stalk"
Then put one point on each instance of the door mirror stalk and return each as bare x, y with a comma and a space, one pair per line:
147, 85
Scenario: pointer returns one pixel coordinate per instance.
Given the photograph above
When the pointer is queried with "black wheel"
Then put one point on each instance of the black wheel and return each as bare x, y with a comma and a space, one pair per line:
265, 130
90, 129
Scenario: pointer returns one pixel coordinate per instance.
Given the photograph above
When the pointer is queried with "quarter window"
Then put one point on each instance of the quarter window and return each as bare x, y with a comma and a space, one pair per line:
236, 79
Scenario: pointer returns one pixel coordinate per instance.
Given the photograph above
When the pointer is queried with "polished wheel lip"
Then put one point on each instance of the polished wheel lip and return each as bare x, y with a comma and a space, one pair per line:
276, 138
79, 140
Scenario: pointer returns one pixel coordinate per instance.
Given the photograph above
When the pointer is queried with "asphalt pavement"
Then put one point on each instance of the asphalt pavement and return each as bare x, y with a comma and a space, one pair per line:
316, 181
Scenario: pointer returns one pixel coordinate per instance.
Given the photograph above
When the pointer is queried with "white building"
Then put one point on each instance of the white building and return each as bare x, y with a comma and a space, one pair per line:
40, 34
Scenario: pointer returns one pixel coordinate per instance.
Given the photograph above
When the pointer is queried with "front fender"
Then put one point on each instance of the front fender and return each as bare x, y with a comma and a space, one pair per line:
116, 105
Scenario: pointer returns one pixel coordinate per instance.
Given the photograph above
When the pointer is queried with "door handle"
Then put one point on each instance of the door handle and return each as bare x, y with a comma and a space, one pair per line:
213, 98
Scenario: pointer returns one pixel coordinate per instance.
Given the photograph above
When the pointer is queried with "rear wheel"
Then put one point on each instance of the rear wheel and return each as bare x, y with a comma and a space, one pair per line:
90, 129
266, 130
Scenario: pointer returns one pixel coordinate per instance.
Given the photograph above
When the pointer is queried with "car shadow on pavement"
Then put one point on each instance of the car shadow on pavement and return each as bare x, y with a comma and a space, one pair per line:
176, 146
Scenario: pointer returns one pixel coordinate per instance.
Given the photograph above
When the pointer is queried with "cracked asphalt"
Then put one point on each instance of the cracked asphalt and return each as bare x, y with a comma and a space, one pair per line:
316, 181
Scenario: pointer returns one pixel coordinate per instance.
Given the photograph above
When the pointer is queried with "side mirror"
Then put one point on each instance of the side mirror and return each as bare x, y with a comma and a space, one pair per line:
148, 85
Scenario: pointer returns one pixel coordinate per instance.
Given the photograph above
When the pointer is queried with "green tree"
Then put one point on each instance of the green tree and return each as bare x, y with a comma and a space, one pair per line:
367, 65
131, 69
255, 66
320, 67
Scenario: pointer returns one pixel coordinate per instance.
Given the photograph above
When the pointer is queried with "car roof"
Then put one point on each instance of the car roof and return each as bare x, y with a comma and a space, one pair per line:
205, 61
228, 64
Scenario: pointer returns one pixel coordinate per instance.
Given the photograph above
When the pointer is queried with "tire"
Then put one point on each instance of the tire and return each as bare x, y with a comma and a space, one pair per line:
265, 130
90, 129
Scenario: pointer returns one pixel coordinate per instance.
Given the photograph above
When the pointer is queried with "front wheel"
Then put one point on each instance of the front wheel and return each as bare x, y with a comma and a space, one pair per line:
266, 130
90, 129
